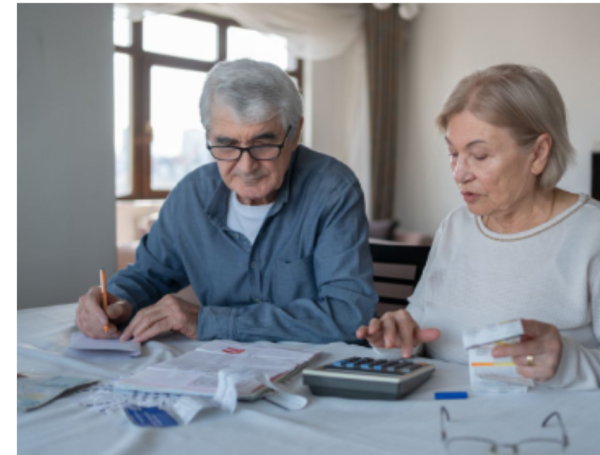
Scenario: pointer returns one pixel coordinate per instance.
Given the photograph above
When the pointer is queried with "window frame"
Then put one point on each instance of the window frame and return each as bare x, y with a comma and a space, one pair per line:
141, 64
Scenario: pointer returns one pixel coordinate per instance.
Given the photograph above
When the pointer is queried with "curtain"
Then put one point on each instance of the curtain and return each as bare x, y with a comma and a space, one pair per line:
314, 31
384, 41
354, 114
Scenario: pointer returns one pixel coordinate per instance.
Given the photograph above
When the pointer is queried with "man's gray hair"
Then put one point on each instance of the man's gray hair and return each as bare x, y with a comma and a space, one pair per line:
526, 102
255, 91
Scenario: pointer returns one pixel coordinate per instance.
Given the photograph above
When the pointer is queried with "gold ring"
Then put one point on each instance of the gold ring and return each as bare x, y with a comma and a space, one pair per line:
530, 361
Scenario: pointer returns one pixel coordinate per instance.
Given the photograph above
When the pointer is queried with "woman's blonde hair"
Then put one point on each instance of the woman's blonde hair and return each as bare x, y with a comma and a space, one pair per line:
526, 102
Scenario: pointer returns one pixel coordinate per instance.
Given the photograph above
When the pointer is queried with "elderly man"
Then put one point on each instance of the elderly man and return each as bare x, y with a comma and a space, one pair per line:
272, 237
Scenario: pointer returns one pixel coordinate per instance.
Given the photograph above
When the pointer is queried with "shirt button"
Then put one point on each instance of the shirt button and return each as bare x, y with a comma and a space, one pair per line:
236, 236
253, 264
256, 299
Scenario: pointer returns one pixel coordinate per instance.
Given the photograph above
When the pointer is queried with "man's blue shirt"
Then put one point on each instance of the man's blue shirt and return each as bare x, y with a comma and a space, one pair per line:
307, 277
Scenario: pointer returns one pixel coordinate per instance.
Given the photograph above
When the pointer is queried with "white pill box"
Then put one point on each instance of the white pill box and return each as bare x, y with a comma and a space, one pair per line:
491, 375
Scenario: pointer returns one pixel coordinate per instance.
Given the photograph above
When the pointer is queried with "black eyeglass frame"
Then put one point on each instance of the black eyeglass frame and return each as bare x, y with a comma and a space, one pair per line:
564, 441
241, 150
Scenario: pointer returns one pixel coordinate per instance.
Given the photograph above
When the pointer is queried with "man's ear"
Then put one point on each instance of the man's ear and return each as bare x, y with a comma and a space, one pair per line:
541, 153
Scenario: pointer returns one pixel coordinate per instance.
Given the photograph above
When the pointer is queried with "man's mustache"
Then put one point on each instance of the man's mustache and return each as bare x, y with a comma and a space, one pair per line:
250, 177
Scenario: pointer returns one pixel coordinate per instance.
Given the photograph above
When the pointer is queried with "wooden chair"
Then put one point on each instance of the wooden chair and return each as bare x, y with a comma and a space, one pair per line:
397, 270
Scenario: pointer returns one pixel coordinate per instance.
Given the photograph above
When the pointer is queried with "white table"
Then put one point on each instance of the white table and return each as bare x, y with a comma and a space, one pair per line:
325, 426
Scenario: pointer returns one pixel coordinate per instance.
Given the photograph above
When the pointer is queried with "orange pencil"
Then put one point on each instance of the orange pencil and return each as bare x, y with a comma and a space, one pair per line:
104, 295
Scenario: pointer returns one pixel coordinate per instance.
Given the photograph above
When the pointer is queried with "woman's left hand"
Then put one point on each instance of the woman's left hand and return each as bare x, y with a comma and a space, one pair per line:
538, 354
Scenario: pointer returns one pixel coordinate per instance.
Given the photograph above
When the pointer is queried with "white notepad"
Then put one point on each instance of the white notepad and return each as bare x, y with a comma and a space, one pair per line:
81, 342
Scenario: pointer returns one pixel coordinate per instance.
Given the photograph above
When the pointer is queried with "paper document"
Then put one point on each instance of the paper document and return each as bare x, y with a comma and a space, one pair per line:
80, 341
197, 372
36, 391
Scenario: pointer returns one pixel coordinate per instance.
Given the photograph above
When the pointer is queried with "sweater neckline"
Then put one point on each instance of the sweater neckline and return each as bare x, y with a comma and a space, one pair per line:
583, 199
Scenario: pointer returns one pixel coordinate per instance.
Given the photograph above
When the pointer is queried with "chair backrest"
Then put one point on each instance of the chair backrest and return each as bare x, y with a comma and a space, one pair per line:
397, 270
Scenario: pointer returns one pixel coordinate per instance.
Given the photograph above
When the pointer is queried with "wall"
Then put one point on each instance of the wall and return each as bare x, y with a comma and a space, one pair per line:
65, 177
446, 42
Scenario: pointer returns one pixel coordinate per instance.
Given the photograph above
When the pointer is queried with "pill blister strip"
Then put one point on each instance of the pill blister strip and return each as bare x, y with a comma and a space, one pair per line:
105, 399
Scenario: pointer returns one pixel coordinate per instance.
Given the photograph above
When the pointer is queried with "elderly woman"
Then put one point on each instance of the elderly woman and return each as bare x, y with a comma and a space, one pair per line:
520, 248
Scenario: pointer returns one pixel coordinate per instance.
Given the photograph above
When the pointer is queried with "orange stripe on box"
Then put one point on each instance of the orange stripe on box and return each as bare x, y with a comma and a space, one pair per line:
492, 364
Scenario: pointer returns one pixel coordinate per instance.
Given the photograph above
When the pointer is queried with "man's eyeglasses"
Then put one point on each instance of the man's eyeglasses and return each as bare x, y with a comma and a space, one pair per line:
466, 445
265, 152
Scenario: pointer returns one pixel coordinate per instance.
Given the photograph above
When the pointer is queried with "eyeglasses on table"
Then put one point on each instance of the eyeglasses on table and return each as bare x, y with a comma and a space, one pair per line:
474, 445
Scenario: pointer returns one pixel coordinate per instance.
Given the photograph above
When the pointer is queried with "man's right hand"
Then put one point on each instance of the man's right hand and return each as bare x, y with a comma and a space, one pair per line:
91, 318
396, 329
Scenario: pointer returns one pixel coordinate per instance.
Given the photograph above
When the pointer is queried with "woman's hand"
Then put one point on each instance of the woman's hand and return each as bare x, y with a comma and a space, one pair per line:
396, 329
538, 354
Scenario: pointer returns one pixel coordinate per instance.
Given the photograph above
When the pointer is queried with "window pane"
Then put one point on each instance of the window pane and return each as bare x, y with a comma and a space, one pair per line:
179, 144
122, 32
122, 94
244, 43
181, 37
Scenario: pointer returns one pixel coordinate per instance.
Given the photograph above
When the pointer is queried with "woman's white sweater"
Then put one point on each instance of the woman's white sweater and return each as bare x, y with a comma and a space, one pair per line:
476, 277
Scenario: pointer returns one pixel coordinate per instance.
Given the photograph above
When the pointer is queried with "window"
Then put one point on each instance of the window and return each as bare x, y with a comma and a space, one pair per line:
160, 65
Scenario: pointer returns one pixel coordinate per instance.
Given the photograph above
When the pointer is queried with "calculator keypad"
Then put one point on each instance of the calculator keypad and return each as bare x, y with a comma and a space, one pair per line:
367, 364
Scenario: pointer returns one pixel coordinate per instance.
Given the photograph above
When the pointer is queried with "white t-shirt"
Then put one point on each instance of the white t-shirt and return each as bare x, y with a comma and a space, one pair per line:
551, 273
246, 219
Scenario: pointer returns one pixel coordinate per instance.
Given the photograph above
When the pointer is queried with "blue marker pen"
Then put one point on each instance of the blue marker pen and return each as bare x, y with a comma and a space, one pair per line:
451, 395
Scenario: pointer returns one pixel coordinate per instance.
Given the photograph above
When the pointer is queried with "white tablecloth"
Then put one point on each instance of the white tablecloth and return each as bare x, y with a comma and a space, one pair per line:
325, 426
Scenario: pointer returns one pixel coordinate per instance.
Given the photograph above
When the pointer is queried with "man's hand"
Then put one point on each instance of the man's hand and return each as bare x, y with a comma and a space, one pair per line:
90, 318
169, 313
396, 330
542, 344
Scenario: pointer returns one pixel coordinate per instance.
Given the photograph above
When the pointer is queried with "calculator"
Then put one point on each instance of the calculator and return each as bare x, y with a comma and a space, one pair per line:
367, 378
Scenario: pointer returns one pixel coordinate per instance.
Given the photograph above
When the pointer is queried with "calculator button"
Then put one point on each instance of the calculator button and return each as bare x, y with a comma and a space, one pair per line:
408, 368
378, 365
351, 362
368, 364
384, 366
